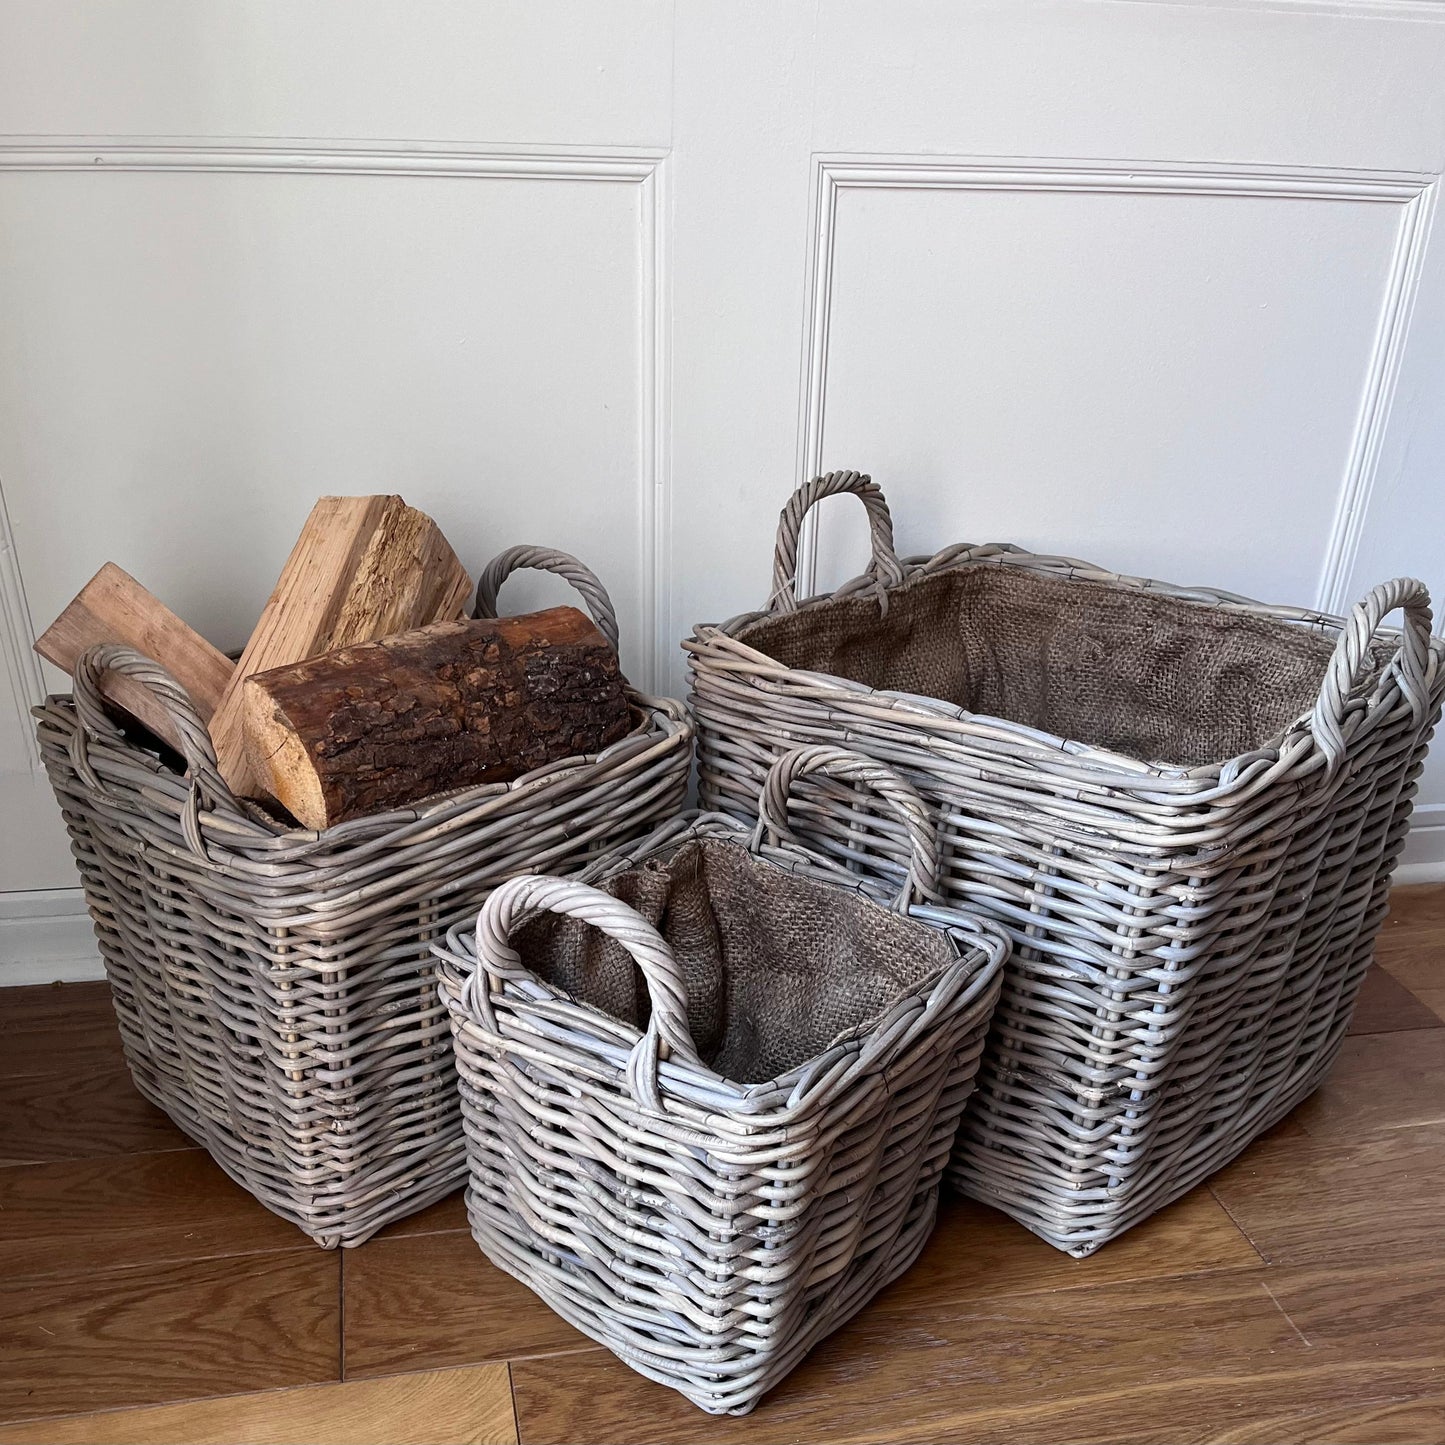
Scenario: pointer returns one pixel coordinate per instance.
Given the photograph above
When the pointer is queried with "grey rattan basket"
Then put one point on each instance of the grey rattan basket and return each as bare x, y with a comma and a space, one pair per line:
1184, 806
275, 987
709, 1108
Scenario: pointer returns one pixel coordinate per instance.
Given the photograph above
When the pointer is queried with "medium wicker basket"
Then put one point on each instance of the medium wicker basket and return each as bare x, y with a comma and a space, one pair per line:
709, 1106
1184, 806
274, 987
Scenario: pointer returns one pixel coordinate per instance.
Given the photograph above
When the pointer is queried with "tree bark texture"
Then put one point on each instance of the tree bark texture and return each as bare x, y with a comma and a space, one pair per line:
377, 726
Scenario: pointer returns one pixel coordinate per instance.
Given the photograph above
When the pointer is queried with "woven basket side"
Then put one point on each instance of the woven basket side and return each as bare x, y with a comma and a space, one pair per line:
1188, 942
276, 993
713, 1238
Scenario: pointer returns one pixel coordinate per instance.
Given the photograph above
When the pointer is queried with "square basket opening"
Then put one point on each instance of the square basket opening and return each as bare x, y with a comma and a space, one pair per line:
776, 966
1158, 678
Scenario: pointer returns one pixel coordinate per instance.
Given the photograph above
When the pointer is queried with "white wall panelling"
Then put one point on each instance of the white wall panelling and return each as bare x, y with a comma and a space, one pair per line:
1152, 283
1410, 197
642, 173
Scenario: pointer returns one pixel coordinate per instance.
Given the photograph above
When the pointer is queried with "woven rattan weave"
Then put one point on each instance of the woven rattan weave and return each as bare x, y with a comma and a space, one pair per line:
275, 987
1184, 806
710, 1093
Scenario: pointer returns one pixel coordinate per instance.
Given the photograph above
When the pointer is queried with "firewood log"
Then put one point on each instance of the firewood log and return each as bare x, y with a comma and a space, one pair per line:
363, 567
368, 728
114, 607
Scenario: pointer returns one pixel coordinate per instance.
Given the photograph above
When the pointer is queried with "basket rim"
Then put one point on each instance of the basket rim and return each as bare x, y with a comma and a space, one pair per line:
1094, 763
664, 723
980, 949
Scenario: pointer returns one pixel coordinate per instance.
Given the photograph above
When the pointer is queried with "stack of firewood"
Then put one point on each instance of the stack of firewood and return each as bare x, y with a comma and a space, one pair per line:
363, 686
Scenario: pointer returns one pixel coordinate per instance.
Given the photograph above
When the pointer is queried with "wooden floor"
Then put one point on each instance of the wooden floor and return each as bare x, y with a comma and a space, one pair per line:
1299, 1297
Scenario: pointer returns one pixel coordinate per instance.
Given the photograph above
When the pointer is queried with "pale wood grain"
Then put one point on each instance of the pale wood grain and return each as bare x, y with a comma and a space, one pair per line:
1410, 1421
1304, 1200
979, 1253
362, 568
440, 1407
136, 1209
92, 1339
1434, 1000
1380, 1081
1385, 1005
1415, 957
433, 1300
1177, 1360
114, 607
78, 1109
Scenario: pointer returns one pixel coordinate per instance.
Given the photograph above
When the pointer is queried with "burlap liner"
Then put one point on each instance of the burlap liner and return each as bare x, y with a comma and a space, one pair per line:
1153, 677
776, 966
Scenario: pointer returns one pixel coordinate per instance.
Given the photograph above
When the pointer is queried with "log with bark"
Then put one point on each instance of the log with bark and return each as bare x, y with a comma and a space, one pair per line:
365, 729
363, 568
114, 607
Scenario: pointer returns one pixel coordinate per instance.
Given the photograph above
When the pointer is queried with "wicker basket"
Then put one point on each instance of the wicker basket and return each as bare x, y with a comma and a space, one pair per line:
708, 1109
275, 987
1184, 806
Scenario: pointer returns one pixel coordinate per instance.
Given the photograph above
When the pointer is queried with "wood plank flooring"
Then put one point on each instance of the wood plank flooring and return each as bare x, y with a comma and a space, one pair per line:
1299, 1296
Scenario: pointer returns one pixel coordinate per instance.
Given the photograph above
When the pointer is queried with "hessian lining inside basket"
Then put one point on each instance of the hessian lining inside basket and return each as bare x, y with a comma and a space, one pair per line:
1154, 677
776, 966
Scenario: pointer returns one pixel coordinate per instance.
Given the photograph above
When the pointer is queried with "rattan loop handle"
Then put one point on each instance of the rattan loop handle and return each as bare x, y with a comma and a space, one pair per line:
547, 559
196, 746
850, 767
1411, 662
884, 566
666, 1033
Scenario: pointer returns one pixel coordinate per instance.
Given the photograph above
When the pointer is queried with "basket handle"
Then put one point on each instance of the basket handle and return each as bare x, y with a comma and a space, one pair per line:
547, 559
850, 767
884, 566
1411, 662
666, 1033
196, 747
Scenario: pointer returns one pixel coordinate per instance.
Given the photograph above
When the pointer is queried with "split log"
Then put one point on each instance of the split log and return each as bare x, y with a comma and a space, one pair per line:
363, 568
114, 607
378, 726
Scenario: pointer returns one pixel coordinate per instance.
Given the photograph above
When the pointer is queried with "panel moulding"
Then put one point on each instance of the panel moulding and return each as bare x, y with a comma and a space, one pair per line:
1411, 192
644, 169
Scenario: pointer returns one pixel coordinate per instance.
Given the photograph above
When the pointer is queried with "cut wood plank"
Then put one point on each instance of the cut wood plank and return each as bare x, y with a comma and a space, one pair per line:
363, 729
1375, 1198
1386, 1006
417, 1302
1379, 1081
158, 1207
362, 568
114, 607
1193, 1359
978, 1253
96, 1339
70, 1112
469, 1407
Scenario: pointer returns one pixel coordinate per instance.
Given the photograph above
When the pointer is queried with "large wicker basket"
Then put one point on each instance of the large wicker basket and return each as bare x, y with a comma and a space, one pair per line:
709, 1107
275, 987
1184, 806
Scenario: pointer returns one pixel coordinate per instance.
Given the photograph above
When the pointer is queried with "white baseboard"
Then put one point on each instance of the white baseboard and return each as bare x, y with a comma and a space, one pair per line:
1423, 860
45, 937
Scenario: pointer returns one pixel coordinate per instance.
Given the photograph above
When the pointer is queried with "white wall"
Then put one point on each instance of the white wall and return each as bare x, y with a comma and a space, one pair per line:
1153, 284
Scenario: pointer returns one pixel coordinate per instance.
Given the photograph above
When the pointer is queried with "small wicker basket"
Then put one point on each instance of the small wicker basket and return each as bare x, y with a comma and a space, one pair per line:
1184, 806
711, 1086
274, 987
